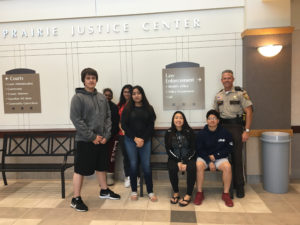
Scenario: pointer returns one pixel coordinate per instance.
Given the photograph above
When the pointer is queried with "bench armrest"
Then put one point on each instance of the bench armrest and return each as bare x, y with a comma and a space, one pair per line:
66, 157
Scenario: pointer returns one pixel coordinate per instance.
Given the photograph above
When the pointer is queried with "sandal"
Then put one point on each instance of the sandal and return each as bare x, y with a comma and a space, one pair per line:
184, 202
134, 196
152, 197
174, 199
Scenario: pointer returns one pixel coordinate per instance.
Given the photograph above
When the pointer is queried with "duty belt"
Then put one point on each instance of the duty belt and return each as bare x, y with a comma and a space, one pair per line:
231, 121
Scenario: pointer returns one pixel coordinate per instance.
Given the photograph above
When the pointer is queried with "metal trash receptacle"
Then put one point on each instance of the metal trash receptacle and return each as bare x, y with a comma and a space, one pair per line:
275, 154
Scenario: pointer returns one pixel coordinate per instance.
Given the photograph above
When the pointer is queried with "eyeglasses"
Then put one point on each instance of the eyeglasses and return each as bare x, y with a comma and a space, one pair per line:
212, 118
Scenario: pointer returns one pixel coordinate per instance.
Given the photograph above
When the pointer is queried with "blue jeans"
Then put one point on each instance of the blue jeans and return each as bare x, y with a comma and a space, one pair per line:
144, 153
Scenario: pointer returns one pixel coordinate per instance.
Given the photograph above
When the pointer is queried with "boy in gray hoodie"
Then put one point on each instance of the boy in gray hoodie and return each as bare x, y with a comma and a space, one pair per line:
90, 114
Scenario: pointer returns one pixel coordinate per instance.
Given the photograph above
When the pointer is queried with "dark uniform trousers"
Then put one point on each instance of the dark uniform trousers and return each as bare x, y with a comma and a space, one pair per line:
236, 131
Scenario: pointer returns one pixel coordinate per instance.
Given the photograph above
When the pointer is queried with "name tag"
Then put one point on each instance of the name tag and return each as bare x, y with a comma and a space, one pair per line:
234, 102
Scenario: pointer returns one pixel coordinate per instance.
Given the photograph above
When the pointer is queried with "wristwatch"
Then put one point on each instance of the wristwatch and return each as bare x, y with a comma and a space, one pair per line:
247, 130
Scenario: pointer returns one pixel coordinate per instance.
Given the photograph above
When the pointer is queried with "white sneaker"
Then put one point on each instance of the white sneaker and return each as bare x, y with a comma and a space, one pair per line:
127, 182
152, 197
138, 181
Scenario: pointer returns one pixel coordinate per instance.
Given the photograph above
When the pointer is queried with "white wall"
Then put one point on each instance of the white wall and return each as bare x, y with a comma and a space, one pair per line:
258, 13
121, 7
20, 10
57, 9
134, 56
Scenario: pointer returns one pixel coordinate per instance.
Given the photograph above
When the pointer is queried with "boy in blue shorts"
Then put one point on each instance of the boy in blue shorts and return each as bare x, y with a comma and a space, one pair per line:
213, 146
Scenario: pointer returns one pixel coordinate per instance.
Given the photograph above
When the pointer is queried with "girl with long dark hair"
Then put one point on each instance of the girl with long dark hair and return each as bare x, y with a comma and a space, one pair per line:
138, 123
124, 99
180, 146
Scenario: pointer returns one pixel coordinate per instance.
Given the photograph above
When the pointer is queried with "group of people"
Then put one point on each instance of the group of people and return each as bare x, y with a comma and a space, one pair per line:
101, 126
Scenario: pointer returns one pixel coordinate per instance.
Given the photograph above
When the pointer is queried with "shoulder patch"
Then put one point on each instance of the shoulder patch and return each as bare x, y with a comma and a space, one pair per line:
246, 96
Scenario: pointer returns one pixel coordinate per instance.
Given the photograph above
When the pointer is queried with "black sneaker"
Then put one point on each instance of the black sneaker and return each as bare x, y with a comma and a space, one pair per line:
78, 204
109, 194
240, 192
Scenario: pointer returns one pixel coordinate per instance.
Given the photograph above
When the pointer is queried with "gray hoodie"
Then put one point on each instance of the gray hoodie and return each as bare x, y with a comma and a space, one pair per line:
90, 115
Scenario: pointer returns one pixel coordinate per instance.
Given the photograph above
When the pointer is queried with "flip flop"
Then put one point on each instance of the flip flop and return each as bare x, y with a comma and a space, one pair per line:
174, 199
184, 202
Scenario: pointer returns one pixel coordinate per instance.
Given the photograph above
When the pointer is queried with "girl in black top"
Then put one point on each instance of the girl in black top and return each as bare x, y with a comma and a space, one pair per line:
124, 99
180, 146
138, 124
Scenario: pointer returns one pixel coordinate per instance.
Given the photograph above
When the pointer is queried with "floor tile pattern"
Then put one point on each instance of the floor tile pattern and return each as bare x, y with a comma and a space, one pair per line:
32, 202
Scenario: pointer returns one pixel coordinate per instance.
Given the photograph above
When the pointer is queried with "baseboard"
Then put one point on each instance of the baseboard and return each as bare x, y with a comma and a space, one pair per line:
295, 174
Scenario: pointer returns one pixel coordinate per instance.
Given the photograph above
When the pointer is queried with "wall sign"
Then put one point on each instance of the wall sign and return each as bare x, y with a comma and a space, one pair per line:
96, 28
21, 93
183, 88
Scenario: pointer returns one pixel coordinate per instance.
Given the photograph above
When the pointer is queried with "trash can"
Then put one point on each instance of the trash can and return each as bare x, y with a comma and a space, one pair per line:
275, 154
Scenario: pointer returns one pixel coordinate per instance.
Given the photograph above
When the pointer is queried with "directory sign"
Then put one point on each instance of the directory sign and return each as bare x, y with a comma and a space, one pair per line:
21, 93
183, 88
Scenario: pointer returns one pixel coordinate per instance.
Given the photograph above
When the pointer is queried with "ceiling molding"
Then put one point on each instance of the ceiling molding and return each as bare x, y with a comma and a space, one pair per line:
266, 31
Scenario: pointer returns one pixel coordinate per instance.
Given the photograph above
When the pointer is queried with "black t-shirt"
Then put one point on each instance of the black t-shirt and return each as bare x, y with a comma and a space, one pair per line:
139, 122
115, 118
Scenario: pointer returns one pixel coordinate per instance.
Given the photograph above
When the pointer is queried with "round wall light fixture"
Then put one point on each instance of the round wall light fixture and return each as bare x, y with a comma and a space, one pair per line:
269, 50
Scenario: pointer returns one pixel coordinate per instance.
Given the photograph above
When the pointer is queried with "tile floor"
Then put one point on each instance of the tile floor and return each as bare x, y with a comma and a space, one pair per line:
31, 202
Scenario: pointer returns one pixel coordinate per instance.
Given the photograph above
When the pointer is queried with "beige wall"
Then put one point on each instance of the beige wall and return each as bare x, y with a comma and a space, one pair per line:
265, 14
295, 88
296, 78
295, 64
253, 156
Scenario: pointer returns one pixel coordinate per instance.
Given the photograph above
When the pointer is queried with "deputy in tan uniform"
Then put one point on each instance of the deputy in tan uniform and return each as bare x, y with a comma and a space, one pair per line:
232, 102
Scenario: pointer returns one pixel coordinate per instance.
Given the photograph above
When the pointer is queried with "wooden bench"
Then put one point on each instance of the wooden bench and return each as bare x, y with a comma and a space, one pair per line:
21, 145
159, 158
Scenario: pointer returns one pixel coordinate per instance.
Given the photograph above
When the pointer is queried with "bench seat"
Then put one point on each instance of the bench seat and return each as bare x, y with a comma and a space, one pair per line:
51, 145
34, 167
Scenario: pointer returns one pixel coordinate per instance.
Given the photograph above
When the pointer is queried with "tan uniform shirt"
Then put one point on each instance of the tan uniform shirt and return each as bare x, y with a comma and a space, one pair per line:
231, 103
